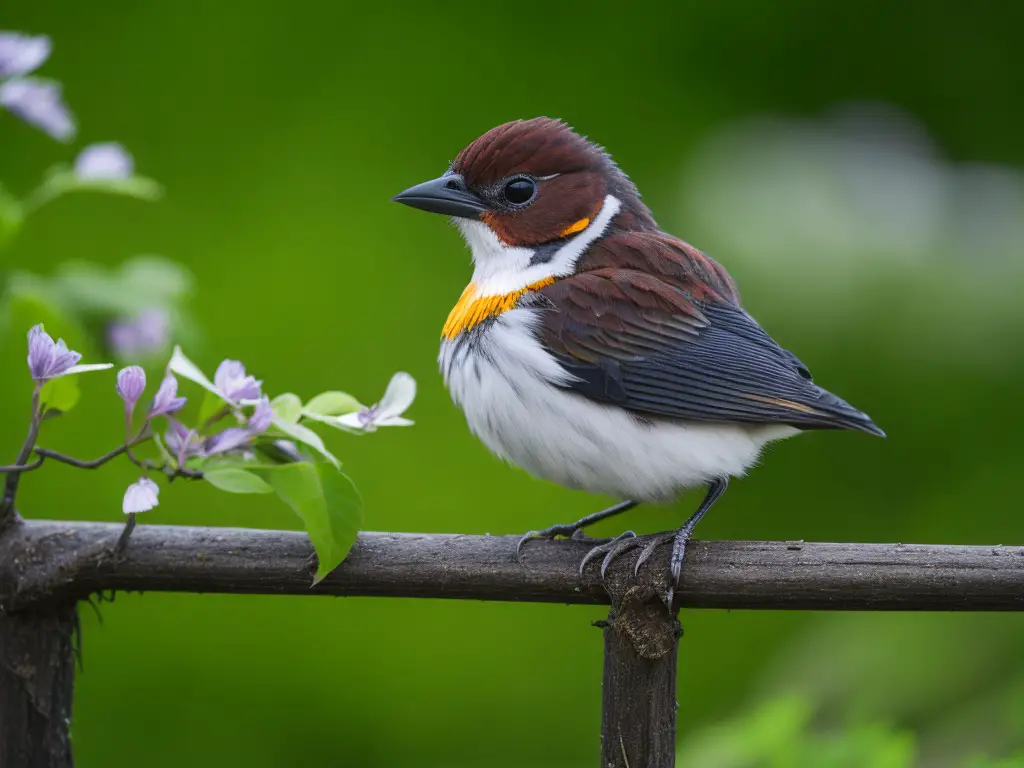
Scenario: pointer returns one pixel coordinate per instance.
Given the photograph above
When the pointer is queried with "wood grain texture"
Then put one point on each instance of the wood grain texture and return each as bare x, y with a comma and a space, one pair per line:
44, 562
37, 669
638, 692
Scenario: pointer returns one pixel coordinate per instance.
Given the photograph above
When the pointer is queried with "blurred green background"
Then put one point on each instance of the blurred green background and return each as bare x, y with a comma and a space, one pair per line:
856, 166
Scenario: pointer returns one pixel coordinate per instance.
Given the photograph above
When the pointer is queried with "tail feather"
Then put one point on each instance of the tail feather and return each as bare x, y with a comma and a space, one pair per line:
841, 415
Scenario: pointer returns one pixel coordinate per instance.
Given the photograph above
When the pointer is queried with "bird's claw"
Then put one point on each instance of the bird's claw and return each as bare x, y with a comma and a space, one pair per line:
648, 550
581, 535
611, 549
679, 541
571, 530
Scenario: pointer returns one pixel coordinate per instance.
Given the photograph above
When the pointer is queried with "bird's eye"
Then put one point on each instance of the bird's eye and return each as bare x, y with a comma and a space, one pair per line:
520, 191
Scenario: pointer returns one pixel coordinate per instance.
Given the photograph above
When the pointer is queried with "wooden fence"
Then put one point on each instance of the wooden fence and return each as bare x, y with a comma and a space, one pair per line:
46, 568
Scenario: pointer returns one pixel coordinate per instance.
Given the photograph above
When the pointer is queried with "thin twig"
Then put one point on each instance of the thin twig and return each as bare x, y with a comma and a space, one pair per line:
142, 437
216, 417
172, 472
81, 463
122, 543
7, 511
23, 467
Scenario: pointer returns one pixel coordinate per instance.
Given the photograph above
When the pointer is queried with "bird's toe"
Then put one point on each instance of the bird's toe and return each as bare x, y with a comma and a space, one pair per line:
649, 549
611, 549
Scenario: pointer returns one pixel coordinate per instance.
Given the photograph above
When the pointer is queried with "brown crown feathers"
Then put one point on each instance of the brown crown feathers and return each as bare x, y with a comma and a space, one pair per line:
573, 177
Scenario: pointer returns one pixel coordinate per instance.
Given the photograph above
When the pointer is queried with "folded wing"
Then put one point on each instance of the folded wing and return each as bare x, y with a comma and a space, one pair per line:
673, 346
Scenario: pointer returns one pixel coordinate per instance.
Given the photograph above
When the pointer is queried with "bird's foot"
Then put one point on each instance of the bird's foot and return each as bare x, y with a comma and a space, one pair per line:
581, 535
679, 539
611, 549
568, 530
575, 530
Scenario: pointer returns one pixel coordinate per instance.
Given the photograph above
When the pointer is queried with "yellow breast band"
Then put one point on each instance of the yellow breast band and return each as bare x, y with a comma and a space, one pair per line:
472, 309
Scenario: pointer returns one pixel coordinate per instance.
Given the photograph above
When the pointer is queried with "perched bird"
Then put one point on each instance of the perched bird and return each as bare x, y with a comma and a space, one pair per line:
593, 349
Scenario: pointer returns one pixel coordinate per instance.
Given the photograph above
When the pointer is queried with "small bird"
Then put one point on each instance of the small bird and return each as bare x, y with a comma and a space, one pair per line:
596, 351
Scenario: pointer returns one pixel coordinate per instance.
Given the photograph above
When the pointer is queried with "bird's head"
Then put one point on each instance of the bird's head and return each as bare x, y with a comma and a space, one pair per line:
529, 183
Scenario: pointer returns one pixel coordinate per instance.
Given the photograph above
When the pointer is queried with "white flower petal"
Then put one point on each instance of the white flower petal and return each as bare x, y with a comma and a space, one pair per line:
398, 396
348, 419
87, 368
182, 366
140, 496
394, 421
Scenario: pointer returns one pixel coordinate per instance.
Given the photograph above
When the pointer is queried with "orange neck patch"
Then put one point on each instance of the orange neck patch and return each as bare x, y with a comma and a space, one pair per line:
471, 309
572, 229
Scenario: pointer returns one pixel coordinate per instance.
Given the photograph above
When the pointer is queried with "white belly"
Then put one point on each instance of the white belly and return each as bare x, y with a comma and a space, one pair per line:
505, 383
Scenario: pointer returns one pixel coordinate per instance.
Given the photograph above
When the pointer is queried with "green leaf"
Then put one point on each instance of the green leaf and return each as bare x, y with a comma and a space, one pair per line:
144, 282
305, 435
235, 480
182, 366
60, 180
287, 407
332, 404
60, 394
211, 406
327, 502
164, 453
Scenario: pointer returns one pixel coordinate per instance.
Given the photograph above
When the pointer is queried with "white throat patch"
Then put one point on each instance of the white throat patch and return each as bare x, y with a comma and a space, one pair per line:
502, 269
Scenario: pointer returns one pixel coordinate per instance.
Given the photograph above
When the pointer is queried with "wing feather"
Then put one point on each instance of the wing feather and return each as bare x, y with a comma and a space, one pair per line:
670, 346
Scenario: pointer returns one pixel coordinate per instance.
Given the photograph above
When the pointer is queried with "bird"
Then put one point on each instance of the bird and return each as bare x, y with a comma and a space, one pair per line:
597, 351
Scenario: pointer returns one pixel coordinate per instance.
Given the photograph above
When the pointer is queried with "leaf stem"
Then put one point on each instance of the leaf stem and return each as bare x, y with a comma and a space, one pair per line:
216, 417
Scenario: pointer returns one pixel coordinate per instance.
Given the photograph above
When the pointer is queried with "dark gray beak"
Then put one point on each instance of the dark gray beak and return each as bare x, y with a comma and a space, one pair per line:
447, 195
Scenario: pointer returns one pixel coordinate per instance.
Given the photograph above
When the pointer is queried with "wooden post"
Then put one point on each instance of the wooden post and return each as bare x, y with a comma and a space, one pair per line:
638, 717
37, 671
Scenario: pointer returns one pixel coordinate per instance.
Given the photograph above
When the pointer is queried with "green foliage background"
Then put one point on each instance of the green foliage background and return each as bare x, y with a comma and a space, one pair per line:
280, 131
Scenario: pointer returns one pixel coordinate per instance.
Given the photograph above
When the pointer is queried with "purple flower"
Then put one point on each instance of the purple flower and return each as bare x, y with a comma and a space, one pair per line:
182, 441
21, 53
131, 383
260, 420
235, 437
233, 385
48, 360
388, 412
104, 162
228, 440
141, 496
289, 450
166, 400
144, 335
39, 103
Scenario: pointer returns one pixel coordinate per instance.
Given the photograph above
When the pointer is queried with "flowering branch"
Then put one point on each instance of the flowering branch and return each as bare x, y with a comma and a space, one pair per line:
270, 447
239, 440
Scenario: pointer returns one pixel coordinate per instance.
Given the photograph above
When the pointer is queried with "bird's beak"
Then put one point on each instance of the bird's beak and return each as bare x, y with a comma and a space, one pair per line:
447, 195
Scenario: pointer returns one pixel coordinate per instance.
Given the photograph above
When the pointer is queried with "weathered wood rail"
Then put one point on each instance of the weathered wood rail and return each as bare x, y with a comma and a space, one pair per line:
47, 567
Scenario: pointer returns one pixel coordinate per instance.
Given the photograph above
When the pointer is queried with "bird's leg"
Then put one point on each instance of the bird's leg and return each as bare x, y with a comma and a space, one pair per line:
575, 529
681, 537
